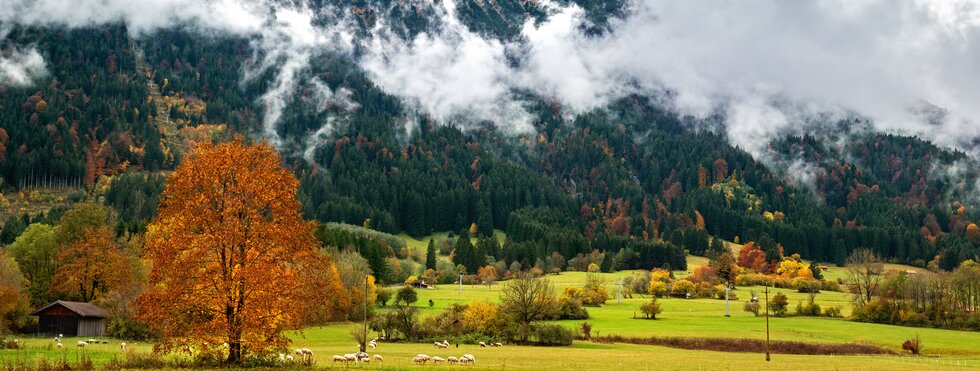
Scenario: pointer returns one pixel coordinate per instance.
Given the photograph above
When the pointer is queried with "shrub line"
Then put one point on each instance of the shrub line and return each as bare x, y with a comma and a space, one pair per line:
748, 345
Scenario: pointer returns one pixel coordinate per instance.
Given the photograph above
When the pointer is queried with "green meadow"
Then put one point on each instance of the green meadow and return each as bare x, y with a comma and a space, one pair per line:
943, 349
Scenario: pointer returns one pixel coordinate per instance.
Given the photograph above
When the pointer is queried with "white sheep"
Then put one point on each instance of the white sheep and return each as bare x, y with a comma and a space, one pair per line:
351, 357
337, 358
469, 358
372, 345
59, 345
307, 352
452, 360
122, 347
299, 352
419, 360
440, 345
365, 360
483, 345
498, 344
438, 360
282, 357
289, 358
81, 344
379, 358
423, 356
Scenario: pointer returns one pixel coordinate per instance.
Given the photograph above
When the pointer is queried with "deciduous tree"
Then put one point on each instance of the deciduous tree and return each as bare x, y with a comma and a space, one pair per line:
527, 299
864, 270
92, 266
228, 249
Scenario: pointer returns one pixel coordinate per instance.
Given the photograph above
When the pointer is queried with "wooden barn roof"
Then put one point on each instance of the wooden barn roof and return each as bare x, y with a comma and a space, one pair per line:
82, 309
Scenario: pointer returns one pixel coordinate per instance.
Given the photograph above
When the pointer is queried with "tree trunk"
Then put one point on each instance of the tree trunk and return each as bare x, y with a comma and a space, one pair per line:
234, 353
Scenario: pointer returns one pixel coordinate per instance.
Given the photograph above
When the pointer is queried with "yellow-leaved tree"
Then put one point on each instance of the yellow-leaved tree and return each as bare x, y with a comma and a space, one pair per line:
230, 255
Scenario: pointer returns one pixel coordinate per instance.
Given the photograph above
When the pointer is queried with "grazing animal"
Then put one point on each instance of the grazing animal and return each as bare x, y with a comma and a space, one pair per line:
289, 358
483, 345
59, 345
498, 344
419, 360
469, 358
299, 352
365, 360
440, 345
452, 360
339, 359
122, 347
438, 360
379, 358
282, 357
307, 352
81, 344
351, 357
372, 345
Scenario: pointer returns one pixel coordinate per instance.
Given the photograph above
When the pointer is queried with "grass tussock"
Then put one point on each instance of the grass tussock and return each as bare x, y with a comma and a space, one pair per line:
749, 345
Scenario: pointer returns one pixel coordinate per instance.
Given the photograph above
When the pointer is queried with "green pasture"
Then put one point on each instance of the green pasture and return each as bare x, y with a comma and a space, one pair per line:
943, 349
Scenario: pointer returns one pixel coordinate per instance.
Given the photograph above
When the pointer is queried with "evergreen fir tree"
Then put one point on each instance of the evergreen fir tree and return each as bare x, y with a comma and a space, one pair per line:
430, 255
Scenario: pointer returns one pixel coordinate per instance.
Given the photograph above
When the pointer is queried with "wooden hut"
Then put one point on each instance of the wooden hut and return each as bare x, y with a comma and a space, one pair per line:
71, 318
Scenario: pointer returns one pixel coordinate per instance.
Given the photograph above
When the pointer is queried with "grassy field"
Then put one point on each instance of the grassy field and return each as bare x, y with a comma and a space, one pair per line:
705, 318
329, 340
944, 349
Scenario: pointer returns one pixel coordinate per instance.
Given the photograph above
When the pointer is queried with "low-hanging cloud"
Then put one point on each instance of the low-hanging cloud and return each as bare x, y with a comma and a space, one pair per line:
769, 67
449, 72
21, 68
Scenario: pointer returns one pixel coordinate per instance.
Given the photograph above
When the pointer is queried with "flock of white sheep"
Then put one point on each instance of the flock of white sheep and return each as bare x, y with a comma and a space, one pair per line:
306, 355
420, 359
465, 359
85, 343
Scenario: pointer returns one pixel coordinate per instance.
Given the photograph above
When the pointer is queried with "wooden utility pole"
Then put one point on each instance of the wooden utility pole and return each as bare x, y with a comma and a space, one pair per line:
363, 339
767, 321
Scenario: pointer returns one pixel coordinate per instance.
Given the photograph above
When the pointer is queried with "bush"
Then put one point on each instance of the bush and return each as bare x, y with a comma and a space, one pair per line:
682, 288
10, 344
778, 305
752, 307
913, 345
830, 285
808, 309
657, 288
651, 309
832, 312
553, 335
406, 295
570, 309
383, 296
127, 328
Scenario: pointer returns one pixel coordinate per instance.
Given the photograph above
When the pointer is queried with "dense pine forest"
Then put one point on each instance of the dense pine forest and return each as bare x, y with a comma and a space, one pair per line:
634, 179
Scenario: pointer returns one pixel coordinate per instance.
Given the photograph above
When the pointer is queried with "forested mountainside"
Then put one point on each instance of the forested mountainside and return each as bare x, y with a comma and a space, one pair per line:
632, 178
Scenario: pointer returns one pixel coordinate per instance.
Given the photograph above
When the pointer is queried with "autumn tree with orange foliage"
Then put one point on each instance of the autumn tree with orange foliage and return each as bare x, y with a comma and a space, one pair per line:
93, 265
750, 256
231, 254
